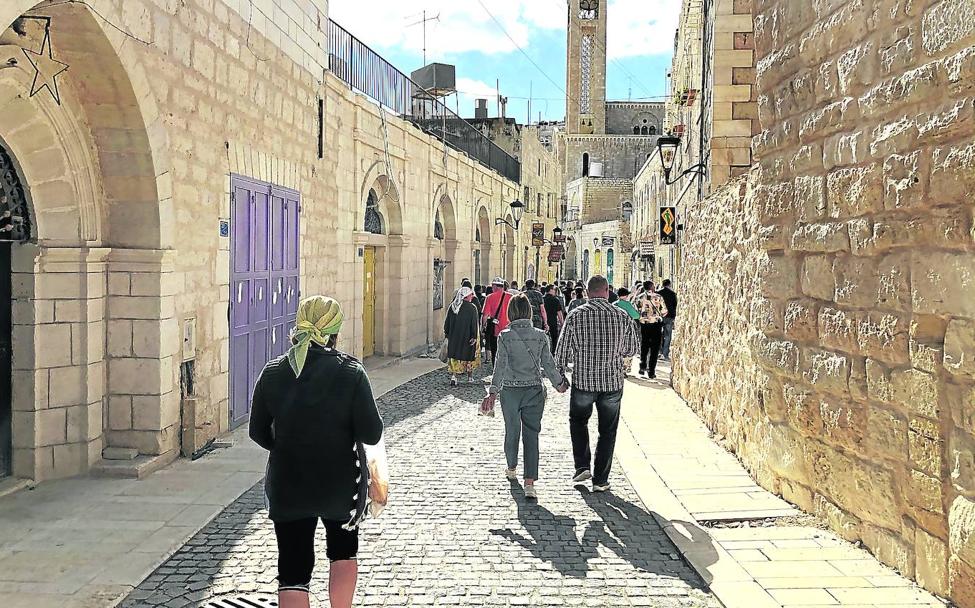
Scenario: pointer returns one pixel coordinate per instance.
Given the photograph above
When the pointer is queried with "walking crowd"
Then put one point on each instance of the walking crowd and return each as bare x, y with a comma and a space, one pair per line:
313, 403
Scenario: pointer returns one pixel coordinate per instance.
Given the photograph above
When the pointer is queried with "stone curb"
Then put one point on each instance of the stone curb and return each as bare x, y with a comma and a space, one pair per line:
724, 576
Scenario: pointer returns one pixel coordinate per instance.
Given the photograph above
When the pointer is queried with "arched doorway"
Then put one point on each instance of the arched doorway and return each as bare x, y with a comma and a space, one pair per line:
445, 249
570, 270
508, 252
610, 260
87, 159
482, 271
380, 244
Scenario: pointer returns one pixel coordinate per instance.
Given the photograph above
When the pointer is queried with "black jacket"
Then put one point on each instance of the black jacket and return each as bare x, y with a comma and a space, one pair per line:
311, 425
459, 329
670, 299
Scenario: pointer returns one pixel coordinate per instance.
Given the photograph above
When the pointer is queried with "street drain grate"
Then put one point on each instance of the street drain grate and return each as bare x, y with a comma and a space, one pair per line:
243, 601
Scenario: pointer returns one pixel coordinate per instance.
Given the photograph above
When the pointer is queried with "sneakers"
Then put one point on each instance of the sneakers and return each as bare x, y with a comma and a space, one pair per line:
582, 476
530, 492
511, 474
453, 382
600, 488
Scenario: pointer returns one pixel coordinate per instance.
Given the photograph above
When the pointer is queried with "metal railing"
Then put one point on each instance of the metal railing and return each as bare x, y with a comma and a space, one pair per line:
367, 72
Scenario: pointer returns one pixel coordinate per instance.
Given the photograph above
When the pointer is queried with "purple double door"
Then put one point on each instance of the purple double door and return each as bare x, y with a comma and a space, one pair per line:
263, 283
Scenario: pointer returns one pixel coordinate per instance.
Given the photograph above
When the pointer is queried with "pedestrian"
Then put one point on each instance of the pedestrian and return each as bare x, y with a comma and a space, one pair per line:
460, 327
514, 286
537, 300
555, 312
670, 299
596, 339
580, 299
624, 303
523, 356
308, 408
652, 311
612, 294
494, 316
479, 296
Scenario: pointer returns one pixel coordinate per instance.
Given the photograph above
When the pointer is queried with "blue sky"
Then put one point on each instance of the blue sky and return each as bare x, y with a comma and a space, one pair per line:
640, 47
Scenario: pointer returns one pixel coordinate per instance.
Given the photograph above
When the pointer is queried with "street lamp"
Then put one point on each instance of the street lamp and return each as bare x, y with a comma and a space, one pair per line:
517, 212
667, 148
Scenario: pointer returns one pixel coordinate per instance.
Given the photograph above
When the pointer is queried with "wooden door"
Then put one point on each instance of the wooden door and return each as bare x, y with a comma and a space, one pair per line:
369, 303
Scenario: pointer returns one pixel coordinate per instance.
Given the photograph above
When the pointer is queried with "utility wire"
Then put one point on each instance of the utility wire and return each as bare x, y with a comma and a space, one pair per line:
107, 21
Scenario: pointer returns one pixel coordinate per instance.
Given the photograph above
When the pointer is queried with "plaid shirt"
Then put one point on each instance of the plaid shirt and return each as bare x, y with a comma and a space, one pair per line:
597, 337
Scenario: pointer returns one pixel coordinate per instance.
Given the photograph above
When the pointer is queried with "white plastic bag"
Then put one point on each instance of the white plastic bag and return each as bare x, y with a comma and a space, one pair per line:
378, 477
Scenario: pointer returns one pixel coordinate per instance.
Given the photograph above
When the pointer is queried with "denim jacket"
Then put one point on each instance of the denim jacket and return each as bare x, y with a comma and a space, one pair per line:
523, 354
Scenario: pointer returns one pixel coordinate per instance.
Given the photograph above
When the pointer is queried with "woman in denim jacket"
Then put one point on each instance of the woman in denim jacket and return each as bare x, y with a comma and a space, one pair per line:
523, 353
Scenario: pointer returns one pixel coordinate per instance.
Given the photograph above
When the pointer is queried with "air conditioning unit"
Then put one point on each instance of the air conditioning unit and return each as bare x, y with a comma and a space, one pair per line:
596, 170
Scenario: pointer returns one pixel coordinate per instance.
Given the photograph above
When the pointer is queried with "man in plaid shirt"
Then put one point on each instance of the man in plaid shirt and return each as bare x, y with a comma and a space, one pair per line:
597, 337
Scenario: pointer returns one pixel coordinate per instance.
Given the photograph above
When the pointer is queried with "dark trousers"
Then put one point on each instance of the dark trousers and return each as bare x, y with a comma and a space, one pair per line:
553, 332
492, 343
650, 336
608, 412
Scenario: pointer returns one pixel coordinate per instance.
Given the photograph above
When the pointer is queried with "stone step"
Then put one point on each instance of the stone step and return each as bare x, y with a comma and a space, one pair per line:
12, 485
135, 468
120, 453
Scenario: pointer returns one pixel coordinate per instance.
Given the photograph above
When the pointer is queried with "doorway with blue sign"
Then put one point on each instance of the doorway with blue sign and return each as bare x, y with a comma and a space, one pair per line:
264, 290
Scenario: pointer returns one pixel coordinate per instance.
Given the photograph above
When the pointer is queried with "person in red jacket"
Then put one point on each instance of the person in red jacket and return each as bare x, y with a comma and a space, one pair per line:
494, 316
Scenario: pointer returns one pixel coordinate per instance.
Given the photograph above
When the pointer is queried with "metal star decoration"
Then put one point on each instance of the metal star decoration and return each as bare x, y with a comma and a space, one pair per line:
46, 69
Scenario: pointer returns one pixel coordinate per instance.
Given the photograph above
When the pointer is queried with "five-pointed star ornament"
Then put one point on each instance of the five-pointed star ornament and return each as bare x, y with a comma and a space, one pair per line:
46, 69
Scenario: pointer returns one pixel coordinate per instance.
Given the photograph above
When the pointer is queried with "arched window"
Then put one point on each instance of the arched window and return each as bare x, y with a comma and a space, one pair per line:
636, 130
373, 219
644, 130
653, 130
585, 164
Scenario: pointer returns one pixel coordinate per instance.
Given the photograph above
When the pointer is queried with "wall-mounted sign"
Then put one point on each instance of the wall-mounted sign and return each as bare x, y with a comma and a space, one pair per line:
224, 228
608, 241
555, 253
538, 234
646, 249
668, 225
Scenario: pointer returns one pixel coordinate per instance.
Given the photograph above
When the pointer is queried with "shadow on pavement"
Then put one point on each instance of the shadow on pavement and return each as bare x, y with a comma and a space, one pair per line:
626, 529
551, 538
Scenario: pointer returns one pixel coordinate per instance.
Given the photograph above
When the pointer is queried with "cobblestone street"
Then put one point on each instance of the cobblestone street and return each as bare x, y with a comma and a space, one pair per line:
457, 533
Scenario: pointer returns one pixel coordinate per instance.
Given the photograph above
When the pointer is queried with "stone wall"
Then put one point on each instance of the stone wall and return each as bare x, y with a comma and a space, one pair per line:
130, 180
828, 313
623, 116
621, 155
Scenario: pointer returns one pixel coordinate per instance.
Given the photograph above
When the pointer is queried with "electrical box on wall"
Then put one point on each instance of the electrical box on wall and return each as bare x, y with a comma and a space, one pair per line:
189, 339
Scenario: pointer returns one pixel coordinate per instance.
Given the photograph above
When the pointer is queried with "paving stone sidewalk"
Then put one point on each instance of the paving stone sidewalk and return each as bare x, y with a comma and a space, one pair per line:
456, 532
687, 479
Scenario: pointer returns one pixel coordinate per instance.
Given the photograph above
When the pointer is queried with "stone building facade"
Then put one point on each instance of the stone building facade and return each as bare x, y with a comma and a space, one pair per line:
827, 324
183, 126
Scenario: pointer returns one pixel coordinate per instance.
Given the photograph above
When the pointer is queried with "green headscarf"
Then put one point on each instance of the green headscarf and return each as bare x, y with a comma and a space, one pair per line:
318, 318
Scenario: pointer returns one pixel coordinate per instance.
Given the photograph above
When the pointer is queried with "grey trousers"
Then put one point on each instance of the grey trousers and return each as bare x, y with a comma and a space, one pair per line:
522, 408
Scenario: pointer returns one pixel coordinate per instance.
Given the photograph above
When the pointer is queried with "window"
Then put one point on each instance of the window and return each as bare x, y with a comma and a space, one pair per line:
588, 9
653, 130
585, 164
539, 166
373, 222
636, 130
644, 130
538, 204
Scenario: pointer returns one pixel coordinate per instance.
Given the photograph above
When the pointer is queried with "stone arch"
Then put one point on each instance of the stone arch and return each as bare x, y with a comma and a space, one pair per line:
446, 215
387, 194
102, 208
483, 238
122, 127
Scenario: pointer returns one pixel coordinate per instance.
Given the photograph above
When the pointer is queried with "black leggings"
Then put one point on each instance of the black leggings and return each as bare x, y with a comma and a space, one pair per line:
650, 336
296, 549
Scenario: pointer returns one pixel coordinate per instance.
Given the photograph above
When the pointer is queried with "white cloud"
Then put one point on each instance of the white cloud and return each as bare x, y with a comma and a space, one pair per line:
642, 27
636, 27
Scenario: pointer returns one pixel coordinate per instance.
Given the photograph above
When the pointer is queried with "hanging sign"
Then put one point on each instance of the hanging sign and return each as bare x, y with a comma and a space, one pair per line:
668, 225
646, 249
555, 253
608, 241
538, 234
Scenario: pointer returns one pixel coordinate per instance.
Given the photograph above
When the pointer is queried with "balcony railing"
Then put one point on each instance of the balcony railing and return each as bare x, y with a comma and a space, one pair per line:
367, 72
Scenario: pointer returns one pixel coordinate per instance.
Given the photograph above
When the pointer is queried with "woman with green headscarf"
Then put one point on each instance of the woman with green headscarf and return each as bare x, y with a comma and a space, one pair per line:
312, 410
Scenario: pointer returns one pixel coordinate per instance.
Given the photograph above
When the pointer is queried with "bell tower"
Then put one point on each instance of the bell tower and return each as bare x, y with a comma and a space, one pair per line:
586, 68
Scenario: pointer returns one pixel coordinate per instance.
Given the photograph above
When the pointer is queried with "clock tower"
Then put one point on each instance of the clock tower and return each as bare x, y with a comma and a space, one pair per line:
586, 68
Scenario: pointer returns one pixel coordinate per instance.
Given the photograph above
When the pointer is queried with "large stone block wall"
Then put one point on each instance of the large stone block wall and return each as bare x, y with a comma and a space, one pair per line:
828, 312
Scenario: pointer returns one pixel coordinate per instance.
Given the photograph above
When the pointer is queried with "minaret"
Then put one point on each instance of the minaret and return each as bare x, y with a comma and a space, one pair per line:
586, 68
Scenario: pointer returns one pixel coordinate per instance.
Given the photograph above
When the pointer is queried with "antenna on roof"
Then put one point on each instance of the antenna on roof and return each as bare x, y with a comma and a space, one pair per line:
424, 22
